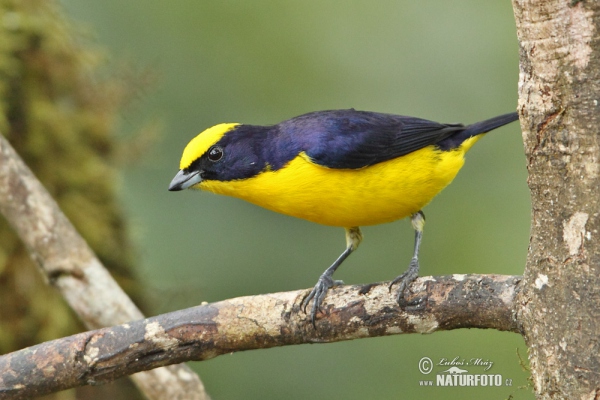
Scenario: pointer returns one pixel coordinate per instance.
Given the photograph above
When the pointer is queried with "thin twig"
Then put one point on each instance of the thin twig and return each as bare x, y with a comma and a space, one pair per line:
70, 265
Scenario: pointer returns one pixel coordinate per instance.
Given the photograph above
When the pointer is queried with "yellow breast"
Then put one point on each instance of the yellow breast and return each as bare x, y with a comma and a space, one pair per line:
380, 193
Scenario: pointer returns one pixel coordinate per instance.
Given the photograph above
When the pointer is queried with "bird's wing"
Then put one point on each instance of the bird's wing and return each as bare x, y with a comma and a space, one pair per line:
352, 139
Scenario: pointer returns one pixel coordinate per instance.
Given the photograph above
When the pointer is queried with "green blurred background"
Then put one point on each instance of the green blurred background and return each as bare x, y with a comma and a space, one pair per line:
262, 62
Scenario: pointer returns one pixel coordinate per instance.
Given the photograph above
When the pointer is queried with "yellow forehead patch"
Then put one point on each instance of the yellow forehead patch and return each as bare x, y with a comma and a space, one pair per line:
201, 143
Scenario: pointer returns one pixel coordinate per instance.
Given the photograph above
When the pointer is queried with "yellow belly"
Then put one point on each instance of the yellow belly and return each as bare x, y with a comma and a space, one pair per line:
380, 193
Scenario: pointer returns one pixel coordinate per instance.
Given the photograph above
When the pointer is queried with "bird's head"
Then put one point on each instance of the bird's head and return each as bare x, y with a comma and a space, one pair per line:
201, 158
226, 152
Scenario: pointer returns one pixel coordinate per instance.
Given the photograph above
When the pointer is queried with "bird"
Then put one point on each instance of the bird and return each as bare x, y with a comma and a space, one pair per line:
343, 168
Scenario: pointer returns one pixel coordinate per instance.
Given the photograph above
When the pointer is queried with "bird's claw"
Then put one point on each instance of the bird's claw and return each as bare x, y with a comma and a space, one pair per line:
317, 294
404, 280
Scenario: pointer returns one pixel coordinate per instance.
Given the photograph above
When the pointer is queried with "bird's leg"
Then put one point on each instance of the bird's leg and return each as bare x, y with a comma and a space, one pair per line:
353, 239
417, 221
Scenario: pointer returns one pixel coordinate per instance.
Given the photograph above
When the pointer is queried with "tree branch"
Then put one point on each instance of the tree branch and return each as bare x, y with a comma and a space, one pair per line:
70, 265
559, 88
255, 322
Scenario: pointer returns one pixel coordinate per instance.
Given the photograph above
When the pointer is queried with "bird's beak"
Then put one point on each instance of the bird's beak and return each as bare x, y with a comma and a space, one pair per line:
184, 179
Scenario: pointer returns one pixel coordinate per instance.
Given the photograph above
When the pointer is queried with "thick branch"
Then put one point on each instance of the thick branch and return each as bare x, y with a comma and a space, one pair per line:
206, 331
559, 88
70, 265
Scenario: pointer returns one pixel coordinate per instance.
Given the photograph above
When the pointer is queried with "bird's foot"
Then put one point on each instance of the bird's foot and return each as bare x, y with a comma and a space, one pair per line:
317, 295
404, 280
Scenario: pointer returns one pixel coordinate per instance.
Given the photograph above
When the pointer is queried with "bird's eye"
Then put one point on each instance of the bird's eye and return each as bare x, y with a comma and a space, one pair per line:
215, 153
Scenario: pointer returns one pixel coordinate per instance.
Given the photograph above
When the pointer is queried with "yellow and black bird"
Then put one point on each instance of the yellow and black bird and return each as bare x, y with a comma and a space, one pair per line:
343, 168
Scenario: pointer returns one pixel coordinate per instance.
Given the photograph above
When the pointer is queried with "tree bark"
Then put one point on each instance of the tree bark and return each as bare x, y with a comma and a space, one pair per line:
559, 90
256, 322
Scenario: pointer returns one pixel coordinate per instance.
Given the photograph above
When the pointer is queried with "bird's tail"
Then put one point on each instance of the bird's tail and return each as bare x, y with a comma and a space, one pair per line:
461, 138
488, 125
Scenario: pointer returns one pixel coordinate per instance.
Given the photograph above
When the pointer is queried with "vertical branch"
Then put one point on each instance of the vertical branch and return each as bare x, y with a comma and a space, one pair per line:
70, 265
559, 91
